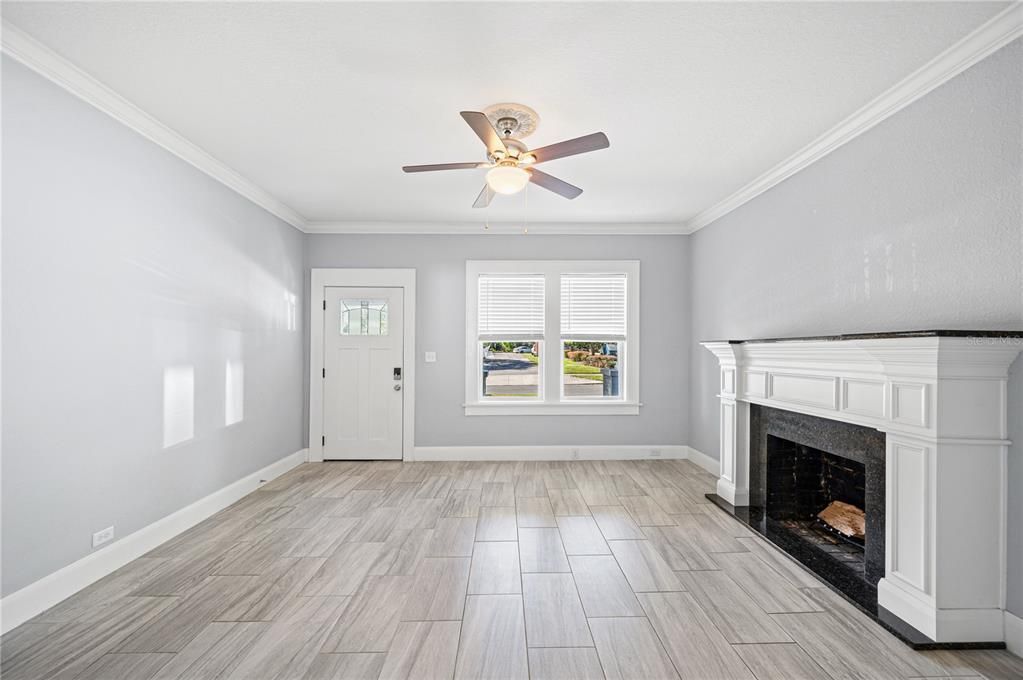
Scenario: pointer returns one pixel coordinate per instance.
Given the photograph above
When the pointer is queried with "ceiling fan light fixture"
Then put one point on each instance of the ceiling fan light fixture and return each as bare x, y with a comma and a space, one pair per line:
507, 179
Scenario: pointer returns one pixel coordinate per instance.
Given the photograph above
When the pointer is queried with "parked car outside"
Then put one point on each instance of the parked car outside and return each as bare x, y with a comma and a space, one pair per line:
523, 349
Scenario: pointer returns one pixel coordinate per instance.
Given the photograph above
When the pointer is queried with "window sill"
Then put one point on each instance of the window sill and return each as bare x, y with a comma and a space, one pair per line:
617, 408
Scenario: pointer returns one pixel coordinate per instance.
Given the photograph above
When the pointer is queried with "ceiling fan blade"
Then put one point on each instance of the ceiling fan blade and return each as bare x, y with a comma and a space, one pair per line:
480, 124
598, 140
552, 183
443, 166
486, 195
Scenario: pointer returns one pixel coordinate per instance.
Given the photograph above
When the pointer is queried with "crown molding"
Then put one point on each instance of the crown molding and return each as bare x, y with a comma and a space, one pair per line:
480, 228
989, 37
47, 63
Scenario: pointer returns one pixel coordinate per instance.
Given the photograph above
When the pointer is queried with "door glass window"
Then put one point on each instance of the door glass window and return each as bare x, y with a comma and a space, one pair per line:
363, 317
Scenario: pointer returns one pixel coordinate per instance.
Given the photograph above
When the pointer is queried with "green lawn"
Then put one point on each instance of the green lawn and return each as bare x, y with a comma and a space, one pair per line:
572, 368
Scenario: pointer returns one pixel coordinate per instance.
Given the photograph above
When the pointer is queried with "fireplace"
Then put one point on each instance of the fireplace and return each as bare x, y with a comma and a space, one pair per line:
799, 465
925, 415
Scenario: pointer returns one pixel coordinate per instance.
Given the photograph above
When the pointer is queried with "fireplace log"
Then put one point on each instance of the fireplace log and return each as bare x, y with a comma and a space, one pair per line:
844, 518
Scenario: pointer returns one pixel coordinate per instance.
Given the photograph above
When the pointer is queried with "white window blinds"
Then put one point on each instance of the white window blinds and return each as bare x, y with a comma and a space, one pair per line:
593, 306
511, 307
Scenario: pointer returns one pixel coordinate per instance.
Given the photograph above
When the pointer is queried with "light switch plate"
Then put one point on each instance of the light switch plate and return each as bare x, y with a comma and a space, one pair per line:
431, 357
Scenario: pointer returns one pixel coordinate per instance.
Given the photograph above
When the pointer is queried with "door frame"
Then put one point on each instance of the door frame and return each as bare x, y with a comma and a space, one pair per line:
361, 278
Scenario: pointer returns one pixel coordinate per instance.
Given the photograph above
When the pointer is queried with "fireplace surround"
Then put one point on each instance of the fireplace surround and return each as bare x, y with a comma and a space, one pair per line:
938, 401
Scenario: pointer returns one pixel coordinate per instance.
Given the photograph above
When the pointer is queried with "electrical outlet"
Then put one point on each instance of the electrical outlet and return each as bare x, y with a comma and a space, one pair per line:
655, 453
101, 537
431, 357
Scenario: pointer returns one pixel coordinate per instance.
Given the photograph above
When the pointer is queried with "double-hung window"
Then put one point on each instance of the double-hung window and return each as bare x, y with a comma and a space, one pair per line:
552, 337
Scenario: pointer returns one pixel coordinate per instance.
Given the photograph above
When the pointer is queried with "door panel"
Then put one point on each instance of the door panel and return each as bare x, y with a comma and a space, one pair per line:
362, 399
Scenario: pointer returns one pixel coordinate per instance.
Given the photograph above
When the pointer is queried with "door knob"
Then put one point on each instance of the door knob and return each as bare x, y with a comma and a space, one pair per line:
397, 388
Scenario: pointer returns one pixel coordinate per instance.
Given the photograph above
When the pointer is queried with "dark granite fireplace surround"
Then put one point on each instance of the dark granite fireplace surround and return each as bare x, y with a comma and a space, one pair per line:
799, 464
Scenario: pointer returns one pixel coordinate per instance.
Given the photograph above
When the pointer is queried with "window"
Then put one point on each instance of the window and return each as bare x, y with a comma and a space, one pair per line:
510, 322
552, 337
363, 317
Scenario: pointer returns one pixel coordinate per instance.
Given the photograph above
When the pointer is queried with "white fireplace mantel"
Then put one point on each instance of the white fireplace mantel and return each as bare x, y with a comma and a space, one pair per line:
941, 402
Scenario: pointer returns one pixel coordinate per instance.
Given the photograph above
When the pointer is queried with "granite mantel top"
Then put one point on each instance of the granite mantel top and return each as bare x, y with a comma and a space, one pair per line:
884, 335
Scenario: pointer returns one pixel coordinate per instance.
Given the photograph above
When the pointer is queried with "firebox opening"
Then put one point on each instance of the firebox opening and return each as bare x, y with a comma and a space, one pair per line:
819, 497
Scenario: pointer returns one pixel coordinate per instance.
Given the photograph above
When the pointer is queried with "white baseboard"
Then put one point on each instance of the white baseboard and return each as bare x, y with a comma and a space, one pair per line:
37, 597
1014, 633
493, 453
709, 464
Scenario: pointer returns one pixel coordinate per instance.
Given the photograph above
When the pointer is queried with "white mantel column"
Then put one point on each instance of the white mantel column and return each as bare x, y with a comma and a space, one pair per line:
733, 452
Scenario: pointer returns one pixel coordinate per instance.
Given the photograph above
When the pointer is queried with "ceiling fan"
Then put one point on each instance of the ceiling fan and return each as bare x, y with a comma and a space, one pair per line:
510, 162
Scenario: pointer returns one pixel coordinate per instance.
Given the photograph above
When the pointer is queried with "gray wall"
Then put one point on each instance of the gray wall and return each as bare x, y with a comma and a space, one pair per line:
440, 327
120, 260
916, 224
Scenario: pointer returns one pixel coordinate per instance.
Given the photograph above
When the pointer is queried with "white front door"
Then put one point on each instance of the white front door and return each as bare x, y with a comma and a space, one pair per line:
363, 373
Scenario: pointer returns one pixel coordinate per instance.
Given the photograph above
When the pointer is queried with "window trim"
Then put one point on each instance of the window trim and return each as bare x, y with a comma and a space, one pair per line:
552, 402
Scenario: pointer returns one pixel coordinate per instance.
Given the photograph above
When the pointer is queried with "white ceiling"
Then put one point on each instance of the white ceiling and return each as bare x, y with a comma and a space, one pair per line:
320, 104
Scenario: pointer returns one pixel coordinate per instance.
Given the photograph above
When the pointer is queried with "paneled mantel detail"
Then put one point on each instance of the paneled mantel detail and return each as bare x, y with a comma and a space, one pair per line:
940, 398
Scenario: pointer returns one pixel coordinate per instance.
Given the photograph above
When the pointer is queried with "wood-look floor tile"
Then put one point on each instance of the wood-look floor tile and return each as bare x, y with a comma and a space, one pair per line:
764, 585
554, 614
265, 596
624, 485
452, 537
259, 557
375, 526
399, 495
105, 591
174, 628
189, 571
597, 492
402, 552
679, 549
629, 649
422, 650
615, 523
857, 623
462, 503
568, 502
792, 571
530, 486
339, 488
731, 609
670, 500
290, 644
325, 537
435, 486
438, 592
534, 512
780, 662
602, 586
64, 651
500, 494
495, 568
493, 639
496, 524
645, 511
581, 536
697, 648
706, 534
843, 656
363, 666
644, 567
133, 666
565, 663
307, 513
357, 503
370, 620
214, 652
344, 571
540, 550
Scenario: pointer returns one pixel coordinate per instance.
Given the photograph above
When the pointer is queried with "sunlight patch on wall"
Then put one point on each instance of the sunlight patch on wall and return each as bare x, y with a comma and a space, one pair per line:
234, 392
178, 405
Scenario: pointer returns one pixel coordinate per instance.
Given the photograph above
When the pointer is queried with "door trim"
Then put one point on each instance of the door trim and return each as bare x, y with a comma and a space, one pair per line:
361, 278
